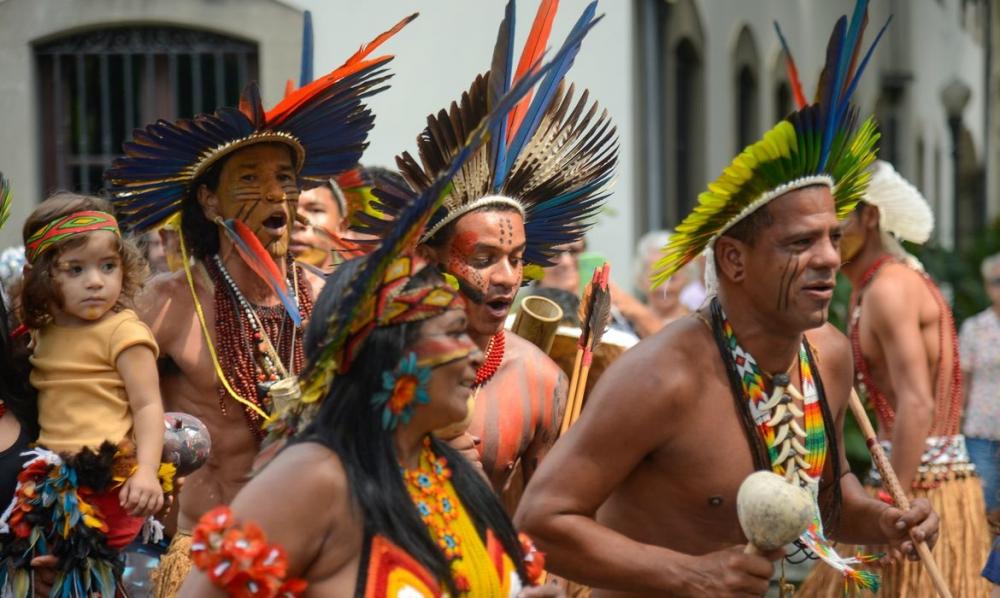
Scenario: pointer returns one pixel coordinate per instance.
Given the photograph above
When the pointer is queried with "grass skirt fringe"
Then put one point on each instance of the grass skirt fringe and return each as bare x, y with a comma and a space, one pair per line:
960, 552
174, 567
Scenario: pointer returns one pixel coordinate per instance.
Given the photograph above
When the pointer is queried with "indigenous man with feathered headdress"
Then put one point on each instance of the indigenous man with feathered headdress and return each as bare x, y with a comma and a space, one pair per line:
229, 326
533, 188
641, 498
906, 363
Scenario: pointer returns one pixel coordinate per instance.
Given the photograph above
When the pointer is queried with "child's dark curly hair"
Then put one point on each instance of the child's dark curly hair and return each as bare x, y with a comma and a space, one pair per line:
38, 293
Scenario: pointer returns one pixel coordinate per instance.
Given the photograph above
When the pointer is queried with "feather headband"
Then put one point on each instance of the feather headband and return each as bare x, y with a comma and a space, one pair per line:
552, 158
325, 124
822, 143
903, 210
357, 309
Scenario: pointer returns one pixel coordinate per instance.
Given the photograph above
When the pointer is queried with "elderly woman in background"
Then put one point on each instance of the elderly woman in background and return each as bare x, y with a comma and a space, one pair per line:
663, 304
980, 355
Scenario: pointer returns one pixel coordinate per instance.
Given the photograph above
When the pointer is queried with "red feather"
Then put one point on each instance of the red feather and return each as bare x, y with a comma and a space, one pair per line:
538, 39
259, 259
352, 179
793, 79
355, 63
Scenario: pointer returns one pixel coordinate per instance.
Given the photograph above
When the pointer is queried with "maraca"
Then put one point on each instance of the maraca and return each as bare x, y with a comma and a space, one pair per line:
186, 442
772, 512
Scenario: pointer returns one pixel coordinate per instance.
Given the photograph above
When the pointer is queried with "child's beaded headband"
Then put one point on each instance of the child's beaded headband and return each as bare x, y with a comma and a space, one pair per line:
67, 226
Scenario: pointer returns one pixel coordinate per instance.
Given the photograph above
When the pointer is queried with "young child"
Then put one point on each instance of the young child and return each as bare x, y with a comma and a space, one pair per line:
99, 409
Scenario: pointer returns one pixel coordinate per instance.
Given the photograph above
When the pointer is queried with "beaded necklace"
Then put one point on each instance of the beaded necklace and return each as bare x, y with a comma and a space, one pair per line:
798, 454
441, 510
251, 340
947, 409
494, 357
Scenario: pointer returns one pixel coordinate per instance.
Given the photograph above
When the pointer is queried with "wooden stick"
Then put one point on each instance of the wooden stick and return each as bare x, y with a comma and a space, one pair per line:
581, 390
897, 492
568, 412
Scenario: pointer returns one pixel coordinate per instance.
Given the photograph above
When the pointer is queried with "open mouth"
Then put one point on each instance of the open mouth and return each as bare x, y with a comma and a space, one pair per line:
276, 221
498, 307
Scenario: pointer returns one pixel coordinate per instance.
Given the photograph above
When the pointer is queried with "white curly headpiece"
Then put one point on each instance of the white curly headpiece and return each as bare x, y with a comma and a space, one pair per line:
903, 210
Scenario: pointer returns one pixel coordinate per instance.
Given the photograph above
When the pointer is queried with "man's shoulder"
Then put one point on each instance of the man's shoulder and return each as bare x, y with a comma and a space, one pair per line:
675, 356
167, 285
527, 354
895, 283
829, 344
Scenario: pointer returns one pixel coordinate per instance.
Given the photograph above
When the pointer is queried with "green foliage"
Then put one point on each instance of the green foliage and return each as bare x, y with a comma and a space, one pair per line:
958, 271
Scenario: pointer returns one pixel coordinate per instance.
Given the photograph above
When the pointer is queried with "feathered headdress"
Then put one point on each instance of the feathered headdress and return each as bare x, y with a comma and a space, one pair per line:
367, 303
821, 143
904, 214
325, 124
552, 157
903, 210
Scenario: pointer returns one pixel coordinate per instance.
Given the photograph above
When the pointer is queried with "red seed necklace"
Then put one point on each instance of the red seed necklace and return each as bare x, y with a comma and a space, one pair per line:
494, 356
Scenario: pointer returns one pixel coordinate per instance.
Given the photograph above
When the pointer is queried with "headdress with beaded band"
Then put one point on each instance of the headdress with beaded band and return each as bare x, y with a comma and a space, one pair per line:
819, 144
552, 158
375, 296
325, 124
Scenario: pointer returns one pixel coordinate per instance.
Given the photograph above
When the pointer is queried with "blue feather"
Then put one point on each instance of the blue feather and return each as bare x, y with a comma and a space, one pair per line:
501, 72
861, 68
828, 101
543, 96
249, 256
306, 74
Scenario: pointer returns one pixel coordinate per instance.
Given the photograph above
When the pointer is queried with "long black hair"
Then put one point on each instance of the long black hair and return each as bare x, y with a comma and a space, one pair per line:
16, 392
351, 426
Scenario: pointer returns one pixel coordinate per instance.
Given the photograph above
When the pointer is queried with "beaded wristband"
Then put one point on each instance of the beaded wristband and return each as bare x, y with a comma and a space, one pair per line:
534, 560
238, 559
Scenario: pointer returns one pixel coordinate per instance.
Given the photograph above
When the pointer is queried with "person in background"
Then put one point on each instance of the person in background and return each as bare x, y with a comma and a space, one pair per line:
979, 350
321, 213
565, 274
662, 305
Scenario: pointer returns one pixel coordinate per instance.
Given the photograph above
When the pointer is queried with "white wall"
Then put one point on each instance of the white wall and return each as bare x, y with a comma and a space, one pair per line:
439, 54
275, 26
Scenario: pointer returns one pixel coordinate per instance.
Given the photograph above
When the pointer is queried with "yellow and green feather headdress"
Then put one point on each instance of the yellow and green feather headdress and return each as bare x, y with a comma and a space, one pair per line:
821, 143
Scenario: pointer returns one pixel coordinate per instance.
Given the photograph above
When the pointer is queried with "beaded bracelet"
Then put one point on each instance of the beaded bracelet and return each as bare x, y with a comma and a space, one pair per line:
534, 560
238, 558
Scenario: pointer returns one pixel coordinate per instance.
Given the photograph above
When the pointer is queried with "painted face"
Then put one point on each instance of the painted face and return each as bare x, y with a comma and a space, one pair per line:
792, 267
486, 254
89, 278
318, 217
444, 345
258, 186
854, 236
565, 274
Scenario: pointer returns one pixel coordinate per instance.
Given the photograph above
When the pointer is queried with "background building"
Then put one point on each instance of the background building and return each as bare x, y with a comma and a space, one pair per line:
688, 83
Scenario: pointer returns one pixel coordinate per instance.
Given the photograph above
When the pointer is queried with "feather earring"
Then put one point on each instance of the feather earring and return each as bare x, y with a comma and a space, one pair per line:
254, 255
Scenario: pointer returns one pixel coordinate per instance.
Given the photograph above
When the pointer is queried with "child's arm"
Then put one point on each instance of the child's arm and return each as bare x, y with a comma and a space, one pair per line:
141, 494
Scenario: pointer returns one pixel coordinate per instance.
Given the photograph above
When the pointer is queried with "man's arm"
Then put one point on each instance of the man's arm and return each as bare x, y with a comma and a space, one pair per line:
626, 419
548, 417
863, 519
895, 317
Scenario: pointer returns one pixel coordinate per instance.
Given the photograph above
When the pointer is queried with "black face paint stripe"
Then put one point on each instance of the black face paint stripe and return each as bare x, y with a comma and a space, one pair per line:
471, 293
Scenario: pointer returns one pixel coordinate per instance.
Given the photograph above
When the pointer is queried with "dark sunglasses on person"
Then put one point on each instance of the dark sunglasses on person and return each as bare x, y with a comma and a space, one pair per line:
993, 282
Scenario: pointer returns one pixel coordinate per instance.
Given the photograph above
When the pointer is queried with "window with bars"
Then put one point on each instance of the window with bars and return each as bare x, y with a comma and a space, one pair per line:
96, 87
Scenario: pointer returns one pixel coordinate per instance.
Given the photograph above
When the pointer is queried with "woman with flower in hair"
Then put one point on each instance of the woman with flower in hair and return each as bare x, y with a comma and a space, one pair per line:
403, 513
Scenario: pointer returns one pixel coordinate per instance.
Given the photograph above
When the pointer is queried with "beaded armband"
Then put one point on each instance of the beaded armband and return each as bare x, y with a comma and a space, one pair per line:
534, 560
238, 558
